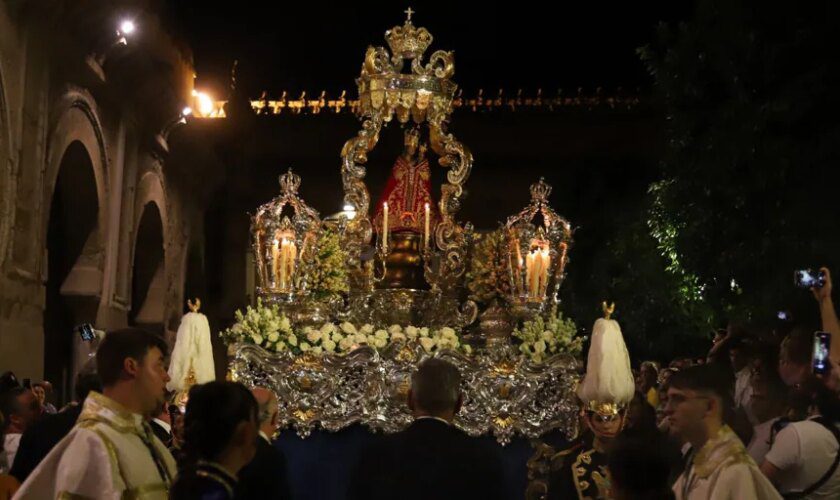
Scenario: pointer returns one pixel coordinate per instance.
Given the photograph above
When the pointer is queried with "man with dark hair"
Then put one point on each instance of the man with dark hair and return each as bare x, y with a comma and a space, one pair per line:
795, 357
45, 433
431, 458
265, 477
20, 408
718, 466
112, 452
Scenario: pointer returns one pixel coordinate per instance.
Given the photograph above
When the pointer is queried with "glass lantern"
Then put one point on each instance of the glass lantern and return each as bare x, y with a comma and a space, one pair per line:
284, 231
538, 241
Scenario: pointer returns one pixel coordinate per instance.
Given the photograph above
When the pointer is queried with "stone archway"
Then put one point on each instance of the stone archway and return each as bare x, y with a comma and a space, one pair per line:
148, 283
74, 263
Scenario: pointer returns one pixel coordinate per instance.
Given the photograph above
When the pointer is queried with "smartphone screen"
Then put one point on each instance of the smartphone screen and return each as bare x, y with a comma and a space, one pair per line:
86, 332
822, 346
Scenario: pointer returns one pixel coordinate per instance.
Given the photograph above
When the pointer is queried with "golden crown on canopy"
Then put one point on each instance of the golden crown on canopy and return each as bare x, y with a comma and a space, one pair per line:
425, 92
284, 230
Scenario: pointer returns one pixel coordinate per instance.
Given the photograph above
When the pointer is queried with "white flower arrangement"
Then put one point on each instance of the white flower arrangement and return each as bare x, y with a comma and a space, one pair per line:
544, 338
265, 326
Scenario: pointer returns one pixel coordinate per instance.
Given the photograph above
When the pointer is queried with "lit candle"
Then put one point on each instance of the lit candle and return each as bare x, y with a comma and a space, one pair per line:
275, 254
533, 270
426, 233
385, 227
284, 255
545, 265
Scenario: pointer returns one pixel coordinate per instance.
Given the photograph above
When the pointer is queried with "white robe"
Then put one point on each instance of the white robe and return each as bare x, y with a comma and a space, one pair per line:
192, 348
723, 470
103, 457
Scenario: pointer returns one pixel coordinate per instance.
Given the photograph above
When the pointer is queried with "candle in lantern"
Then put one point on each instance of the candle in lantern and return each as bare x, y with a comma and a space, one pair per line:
275, 255
533, 270
385, 227
288, 252
426, 232
545, 261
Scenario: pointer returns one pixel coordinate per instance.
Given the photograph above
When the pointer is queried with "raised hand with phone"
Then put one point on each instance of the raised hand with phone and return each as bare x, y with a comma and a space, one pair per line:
830, 322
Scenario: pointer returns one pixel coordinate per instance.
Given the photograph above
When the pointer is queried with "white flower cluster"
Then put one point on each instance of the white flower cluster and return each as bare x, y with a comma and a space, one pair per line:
345, 337
267, 327
544, 338
263, 325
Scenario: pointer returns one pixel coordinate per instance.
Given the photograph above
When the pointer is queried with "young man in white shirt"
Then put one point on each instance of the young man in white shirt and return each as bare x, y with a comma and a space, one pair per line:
803, 455
768, 401
718, 466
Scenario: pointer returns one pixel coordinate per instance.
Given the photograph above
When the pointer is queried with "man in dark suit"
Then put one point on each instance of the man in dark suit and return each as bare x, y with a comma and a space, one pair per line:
161, 425
265, 477
430, 459
45, 433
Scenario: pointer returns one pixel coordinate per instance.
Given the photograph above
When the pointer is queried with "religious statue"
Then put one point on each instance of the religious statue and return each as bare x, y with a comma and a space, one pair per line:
408, 192
405, 216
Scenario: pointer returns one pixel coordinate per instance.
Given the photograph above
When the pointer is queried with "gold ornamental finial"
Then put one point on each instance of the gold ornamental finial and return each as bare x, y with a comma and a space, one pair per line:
540, 191
289, 182
608, 309
194, 306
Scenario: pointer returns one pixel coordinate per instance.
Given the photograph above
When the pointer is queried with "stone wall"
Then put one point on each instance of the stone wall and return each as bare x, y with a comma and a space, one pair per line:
80, 161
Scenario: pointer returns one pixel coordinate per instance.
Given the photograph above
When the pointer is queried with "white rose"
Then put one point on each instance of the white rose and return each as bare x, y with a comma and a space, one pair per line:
398, 337
539, 347
367, 329
313, 336
548, 336
345, 344
359, 338
279, 346
304, 347
371, 339
395, 329
284, 324
424, 332
257, 338
427, 343
328, 328
292, 339
329, 345
380, 343
447, 332
411, 331
316, 350
273, 337
382, 334
348, 327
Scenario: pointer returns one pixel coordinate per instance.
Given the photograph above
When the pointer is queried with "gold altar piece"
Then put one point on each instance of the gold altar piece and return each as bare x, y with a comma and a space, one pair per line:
422, 95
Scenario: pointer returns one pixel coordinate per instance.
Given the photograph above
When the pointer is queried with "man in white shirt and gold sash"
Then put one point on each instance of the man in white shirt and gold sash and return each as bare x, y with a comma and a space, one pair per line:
718, 465
112, 452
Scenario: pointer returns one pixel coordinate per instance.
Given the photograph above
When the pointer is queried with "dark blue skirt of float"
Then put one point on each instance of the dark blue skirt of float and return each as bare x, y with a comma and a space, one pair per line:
319, 467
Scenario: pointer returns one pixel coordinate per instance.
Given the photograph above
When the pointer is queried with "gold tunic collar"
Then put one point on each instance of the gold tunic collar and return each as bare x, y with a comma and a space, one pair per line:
100, 408
720, 448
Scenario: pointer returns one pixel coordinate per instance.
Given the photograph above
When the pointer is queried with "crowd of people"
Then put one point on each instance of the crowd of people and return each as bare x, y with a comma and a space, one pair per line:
748, 420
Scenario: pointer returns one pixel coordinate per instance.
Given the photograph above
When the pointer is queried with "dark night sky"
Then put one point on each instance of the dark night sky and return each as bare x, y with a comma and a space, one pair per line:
312, 46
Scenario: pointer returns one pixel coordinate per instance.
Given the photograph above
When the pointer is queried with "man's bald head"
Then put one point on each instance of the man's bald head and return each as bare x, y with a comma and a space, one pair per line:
267, 402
